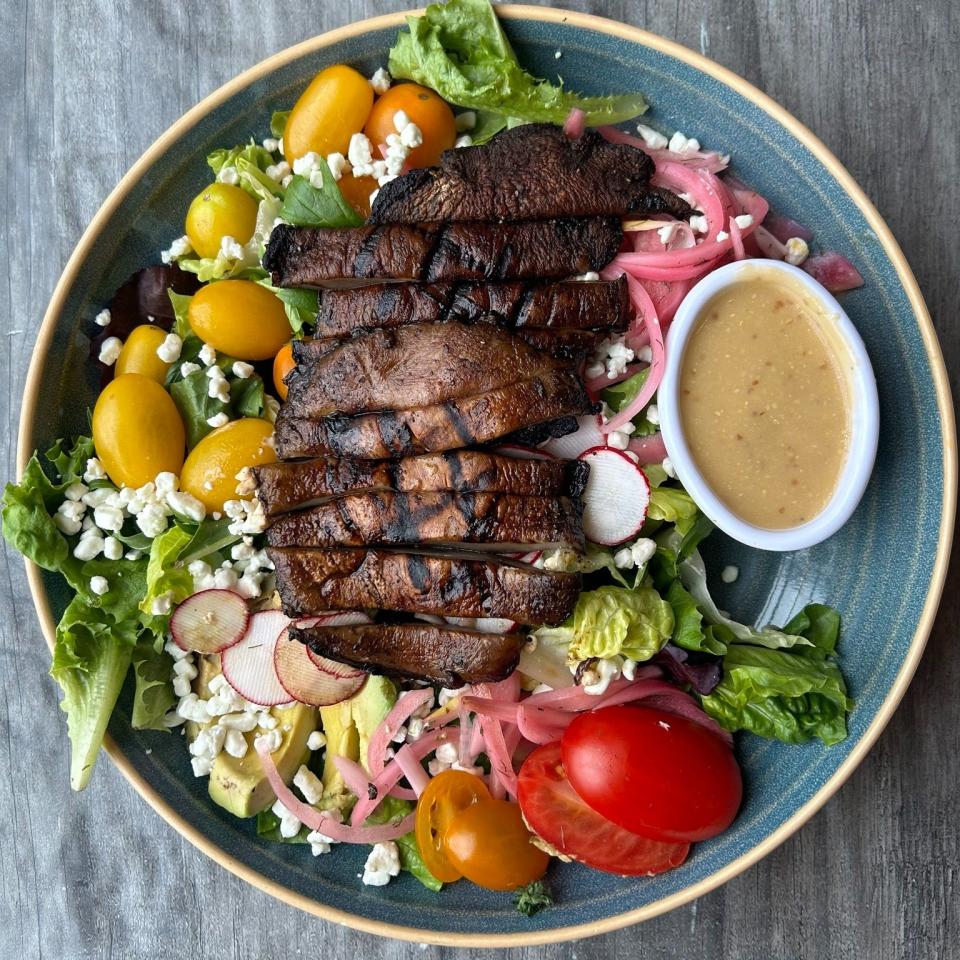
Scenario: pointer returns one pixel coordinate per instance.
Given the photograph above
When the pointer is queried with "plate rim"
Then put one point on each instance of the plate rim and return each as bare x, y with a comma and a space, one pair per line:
945, 407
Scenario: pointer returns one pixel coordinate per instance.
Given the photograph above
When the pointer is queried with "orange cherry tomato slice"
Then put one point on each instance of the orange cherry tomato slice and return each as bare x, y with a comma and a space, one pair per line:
489, 844
424, 108
283, 363
446, 795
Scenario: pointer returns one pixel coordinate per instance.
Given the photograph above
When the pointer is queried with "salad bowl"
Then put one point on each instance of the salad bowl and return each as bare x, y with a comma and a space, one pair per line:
884, 629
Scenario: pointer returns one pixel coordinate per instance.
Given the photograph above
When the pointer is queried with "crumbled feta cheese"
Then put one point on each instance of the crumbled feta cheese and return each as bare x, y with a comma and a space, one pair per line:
319, 843
289, 824
613, 354
447, 694
636, 554
88, 547
618, 439
185, 668
169, 350
225, 579
96, 497
698, 224
309, 784
286, 181
316, 741
729, 574
667, 232
653, 414
99, 585
414, 729
316, 179
229, 176
797, 251
465, 140
112, 548
447, 752
162, 605
108, 518
201, 766
380, 81
240, 722
400, 121
270, 145
558, 54
165, 482
189, 368
382, 864
411, 137
476, 771
591, 276
218, 388
152, 520
560, 559
230, 248
594, 370
305, 165
681, 144
359, 152
102, 319
110, 350
218, 420
668, 467
179, 248
465, 121
186, 505
76, 490
437, 766
271, 408
273, 172
722, 235
645, 354
235, 743
653, 139
132, 555
208, 356
601, 676
629, 669
743, 221
94, 471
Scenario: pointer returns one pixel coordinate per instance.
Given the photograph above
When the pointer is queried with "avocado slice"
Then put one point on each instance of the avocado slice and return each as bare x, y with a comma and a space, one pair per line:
239, 784
348, 727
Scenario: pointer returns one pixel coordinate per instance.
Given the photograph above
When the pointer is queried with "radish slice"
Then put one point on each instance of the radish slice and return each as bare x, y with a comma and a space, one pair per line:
210, 621
333, 667
587, 435
248, 665
521, 452
308, 681
484, 624
616, 497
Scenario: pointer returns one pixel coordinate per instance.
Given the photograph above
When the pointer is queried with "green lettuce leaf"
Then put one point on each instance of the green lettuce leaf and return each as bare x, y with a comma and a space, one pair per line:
190, 394
460, 50
673, 505
181, 305
90, 660
250, 162
301, 305
278, 123
166, 575
410, 859
688, 629
693, 575
153, 695
308, 206
780, 695
620, 394
611, 621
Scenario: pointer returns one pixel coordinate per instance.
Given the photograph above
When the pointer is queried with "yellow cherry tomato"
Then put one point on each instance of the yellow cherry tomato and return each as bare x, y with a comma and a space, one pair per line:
137, 430
283, 363
239, 318
424, 108
219, 211
139, 353
489, 844
329, 112
210, 471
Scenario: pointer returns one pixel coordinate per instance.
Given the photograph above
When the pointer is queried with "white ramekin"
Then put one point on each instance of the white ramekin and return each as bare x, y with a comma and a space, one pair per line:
864, 429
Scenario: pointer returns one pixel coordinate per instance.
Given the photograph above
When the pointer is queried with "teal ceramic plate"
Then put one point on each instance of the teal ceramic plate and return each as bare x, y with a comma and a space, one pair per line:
888, 597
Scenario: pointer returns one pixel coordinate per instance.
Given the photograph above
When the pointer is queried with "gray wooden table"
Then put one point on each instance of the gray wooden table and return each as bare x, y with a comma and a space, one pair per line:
85, 88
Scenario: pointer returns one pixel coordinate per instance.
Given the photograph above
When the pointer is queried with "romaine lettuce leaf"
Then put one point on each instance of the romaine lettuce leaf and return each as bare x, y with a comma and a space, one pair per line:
611, 621
153, 695
460, 50
781, 695
688, 630
673, 505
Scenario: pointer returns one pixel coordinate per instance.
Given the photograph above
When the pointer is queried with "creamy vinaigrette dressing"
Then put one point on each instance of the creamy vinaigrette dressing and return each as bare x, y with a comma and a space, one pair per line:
765, 400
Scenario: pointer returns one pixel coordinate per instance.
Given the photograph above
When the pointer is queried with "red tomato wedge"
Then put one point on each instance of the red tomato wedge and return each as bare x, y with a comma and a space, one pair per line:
555, 813
654, 773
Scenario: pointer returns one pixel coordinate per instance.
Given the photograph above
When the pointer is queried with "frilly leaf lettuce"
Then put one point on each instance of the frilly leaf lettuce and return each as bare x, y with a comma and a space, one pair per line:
460, 50
153, 695
165, 575
250, 162
688, 629
611, 621
779, 694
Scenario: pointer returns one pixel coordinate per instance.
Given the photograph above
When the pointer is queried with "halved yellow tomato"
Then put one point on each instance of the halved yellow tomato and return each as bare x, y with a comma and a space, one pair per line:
210, 471
239, 318
137, 430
